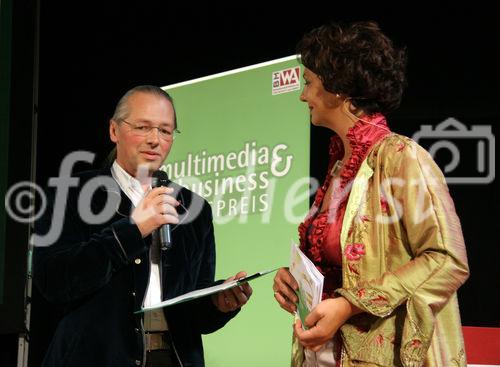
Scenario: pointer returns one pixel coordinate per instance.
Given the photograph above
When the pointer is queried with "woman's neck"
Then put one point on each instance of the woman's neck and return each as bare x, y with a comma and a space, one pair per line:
342, 120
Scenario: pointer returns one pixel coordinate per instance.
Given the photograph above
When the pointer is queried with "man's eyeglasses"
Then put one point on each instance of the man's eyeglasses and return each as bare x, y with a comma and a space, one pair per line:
141, 129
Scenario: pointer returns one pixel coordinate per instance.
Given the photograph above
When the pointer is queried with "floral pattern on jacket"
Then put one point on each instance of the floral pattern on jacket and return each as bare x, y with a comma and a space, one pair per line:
403, 260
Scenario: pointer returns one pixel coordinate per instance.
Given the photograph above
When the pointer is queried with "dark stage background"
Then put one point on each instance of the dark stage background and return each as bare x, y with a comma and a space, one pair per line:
92, 52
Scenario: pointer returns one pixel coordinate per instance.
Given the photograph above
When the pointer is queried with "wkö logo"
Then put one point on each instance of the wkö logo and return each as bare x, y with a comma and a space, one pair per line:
287, 80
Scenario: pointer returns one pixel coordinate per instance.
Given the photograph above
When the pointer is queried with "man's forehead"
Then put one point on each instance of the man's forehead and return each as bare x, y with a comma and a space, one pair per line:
151, 108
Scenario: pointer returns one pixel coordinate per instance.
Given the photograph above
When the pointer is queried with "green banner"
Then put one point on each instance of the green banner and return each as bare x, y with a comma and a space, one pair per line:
244, 146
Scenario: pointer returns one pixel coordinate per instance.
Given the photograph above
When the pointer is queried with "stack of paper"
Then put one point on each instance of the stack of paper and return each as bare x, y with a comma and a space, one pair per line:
310, 282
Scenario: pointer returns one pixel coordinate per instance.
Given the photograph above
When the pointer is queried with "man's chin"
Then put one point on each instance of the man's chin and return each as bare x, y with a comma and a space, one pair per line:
148, 167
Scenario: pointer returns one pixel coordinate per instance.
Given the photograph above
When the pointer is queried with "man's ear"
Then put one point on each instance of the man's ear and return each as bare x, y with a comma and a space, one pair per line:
113, 126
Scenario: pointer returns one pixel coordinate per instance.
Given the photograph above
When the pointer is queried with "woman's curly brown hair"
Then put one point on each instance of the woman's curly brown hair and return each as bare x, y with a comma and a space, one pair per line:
357, 61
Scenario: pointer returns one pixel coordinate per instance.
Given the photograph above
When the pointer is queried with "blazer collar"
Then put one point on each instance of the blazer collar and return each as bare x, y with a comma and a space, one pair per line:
124, 205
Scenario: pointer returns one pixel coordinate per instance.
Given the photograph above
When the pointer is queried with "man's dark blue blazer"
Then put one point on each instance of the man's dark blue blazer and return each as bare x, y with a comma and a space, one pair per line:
99, 273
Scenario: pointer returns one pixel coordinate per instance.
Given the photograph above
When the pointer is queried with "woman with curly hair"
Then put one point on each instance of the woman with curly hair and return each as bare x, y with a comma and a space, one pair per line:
383, 228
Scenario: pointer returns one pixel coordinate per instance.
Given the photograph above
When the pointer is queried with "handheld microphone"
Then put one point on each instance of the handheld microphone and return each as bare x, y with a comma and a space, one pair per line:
160, 178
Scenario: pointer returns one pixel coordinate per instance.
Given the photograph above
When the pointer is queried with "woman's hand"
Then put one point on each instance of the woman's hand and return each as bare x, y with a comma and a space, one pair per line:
324, 321
284, 288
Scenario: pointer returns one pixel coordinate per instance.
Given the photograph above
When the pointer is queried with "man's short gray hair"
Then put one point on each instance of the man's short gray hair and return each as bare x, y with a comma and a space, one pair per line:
122, 109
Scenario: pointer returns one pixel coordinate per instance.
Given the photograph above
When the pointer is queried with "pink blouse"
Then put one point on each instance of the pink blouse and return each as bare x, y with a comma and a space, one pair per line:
319, 234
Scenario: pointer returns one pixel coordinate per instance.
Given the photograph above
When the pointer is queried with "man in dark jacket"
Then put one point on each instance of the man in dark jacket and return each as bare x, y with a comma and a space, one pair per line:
97, 252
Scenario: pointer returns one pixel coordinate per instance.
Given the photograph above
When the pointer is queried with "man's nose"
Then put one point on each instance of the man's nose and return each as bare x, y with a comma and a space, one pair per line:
154, 136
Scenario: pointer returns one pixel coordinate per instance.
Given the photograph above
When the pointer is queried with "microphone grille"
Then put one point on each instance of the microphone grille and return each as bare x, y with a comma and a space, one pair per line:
159, 178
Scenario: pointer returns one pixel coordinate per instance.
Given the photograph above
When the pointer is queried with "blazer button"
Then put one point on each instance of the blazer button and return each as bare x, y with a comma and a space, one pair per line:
137, 261
137, 330
133, 294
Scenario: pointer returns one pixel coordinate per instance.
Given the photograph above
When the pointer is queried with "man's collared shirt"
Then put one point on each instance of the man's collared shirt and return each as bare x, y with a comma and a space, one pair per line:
132, 187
